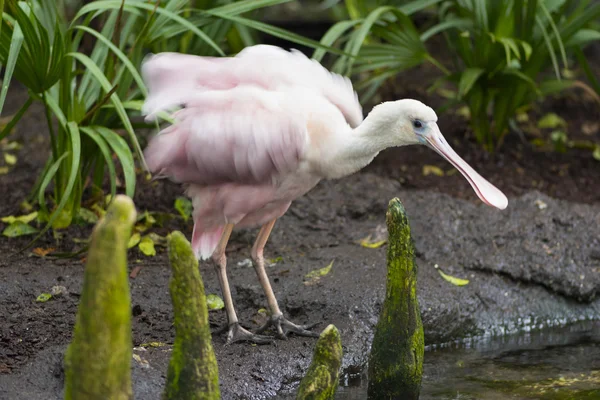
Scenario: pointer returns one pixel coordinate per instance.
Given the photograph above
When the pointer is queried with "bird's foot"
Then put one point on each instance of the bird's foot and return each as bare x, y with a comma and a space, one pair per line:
283, 327
238, 334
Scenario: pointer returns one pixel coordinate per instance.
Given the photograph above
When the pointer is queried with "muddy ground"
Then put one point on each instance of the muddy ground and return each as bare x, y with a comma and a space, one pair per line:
533, 265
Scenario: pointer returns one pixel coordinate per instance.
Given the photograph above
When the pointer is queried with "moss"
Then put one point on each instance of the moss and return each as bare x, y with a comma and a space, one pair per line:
193, 372
396, 359
321, 379
98, 360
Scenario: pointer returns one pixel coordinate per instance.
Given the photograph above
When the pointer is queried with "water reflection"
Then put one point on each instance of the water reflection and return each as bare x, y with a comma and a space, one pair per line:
554, 364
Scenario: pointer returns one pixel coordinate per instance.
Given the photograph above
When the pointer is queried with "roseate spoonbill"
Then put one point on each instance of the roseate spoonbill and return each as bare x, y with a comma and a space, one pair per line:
258, 130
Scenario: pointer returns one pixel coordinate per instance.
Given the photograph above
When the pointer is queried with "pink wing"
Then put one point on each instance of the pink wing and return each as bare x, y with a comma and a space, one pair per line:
173, 77
244, 118
244, 135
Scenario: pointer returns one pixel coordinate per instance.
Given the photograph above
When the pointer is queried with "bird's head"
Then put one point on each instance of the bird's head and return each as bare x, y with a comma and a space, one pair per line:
412, 122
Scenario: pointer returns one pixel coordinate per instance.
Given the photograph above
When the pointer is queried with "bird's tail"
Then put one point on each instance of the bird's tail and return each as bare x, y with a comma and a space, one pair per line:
204, 242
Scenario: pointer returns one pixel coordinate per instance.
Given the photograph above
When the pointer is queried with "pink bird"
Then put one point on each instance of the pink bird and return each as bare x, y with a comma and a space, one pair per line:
256, 131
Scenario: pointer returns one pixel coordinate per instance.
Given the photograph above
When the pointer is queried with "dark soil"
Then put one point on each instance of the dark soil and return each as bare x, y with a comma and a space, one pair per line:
525, 261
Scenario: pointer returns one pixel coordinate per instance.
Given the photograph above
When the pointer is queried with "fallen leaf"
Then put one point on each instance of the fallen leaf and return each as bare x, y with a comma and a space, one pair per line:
273, 261
4, 170
10, 159
551, 121
146, 246
183, 205
366, 242
19, 228
432, 169
142, 362
134, 240
596, 153
11, 146
42, 252
453, 280
315, 275
214, 302
153, 344
44, 297
23, 218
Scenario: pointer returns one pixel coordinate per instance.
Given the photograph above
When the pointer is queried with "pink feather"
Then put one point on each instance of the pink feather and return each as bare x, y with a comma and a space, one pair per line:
242, 133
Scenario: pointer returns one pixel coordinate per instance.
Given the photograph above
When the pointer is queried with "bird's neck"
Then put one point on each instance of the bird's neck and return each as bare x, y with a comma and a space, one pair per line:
360, 146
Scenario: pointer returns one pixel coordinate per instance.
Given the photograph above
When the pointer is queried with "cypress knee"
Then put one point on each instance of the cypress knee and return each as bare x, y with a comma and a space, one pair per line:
193, 372
321, 379
98, 360
396, 359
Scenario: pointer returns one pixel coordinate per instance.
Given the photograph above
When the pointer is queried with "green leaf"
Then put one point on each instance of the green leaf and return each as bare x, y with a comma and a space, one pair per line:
18, 228
314, 276
468, 79
107, 157
583, 37
214, 302
23, 218
333, 34
453, 280
13, 54
432, 170
184, 206
551, 121
134, 240
107, 86
117, 4
121, 149
43, 297
146, 246
122, 56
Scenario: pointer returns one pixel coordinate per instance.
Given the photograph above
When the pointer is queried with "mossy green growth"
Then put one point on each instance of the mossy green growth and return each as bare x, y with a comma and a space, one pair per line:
321, 379
396, 359
193, 373
98, 360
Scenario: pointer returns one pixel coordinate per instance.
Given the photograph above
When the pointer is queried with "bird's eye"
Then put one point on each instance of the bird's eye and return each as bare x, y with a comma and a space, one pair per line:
417, 124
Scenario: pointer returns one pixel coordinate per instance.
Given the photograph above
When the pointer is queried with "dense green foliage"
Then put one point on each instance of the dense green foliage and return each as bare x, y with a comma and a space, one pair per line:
84, 69
499, 50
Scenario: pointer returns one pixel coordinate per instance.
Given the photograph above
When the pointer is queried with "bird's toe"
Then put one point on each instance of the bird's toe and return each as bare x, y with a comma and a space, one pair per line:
238, 334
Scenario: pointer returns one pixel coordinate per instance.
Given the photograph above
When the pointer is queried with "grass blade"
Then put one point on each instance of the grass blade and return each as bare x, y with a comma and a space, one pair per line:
106, 154
124, 59
75, 155
13, 54
101, 78
119, 146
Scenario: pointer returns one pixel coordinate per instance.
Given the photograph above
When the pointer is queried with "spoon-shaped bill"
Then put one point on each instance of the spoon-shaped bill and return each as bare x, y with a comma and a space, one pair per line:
487, 192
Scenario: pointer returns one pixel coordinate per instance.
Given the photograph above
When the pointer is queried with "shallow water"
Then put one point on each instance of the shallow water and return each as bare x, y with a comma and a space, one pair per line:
555, 364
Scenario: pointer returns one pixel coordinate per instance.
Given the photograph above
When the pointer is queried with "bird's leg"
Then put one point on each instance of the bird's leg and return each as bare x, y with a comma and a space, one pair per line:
236, 333
276, 319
